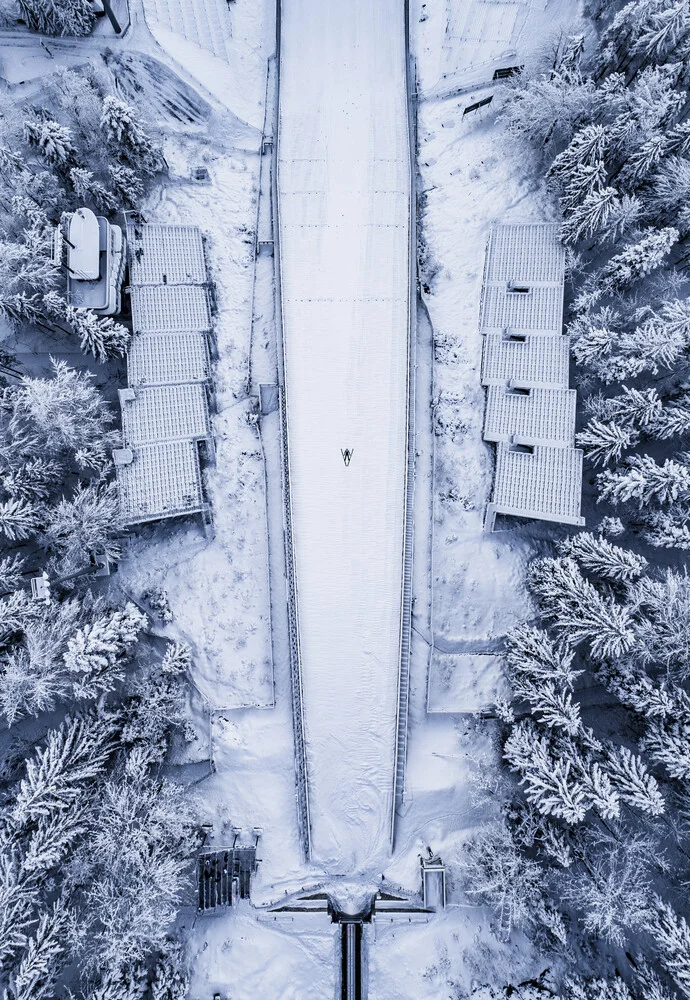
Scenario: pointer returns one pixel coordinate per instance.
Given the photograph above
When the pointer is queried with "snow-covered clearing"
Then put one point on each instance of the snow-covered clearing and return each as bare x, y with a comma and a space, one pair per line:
343, 177
286, 959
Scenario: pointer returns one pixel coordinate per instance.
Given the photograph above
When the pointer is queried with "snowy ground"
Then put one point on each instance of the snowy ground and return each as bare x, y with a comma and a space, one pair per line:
343, 177
219, 591
469, 179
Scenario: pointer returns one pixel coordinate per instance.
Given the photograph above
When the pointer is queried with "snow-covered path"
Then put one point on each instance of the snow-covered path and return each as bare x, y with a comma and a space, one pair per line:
344, 195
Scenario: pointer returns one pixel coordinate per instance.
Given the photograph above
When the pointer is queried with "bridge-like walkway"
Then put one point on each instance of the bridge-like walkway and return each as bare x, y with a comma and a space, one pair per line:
344, 227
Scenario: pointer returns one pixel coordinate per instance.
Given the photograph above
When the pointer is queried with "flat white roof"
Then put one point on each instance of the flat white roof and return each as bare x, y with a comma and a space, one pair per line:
530, 416
534, 361
83, 254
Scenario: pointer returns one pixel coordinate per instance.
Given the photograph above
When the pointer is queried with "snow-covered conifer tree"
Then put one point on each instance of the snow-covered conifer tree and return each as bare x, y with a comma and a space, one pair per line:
672, 421
95, 654
11, 571
667, 742
668, 529
53, 141
611, 890
58, 17
43, 957
87, 188
548, 781
67, 412
671, 935
170, 980
532, 651
19, 519
127, 184
100, 336
75, 753
591, 216
641, 478
633, 782
602, 558
35, 480
85, 525
639, 259
605, 442
498, 874
579, 610
127, 138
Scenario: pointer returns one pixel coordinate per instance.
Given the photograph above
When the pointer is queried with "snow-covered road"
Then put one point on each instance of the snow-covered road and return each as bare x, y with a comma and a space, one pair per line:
344, 195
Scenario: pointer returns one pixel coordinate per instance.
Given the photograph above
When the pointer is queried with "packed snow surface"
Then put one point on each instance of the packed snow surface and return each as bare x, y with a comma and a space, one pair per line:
344, 190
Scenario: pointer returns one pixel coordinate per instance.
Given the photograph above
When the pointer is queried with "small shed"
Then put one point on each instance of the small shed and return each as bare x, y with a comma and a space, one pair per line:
433, 882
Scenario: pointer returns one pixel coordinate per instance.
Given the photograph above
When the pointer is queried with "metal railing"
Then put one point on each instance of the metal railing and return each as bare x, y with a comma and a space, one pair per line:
402, 711
301, 775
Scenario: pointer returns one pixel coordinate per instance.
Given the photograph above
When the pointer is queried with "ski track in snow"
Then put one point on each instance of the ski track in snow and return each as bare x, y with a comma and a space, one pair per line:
343, 176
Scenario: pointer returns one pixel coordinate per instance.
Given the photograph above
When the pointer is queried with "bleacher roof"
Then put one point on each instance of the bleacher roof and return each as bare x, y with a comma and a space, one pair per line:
523, 280
167, 358
163, 480
165, 410
534, 362
170, 308
165, 255
544, 484
530, 416
530, 411
166, 413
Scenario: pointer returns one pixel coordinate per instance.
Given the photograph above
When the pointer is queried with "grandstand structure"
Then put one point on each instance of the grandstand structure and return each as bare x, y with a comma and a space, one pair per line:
165, 408
530, 409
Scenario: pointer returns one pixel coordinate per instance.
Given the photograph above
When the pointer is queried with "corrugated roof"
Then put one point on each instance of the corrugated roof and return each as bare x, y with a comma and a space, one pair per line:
528, 252
170, 308
165, 410
167, 358
536, 362
166, 413
545, 484
163, 480
160, 255
524, 273
530, 416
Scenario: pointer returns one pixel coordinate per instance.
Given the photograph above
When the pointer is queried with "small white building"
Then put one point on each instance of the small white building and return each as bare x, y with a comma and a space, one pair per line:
95, 263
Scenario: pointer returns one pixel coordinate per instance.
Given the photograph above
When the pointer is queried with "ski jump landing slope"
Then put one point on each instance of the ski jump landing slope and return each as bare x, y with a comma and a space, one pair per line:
344, 210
